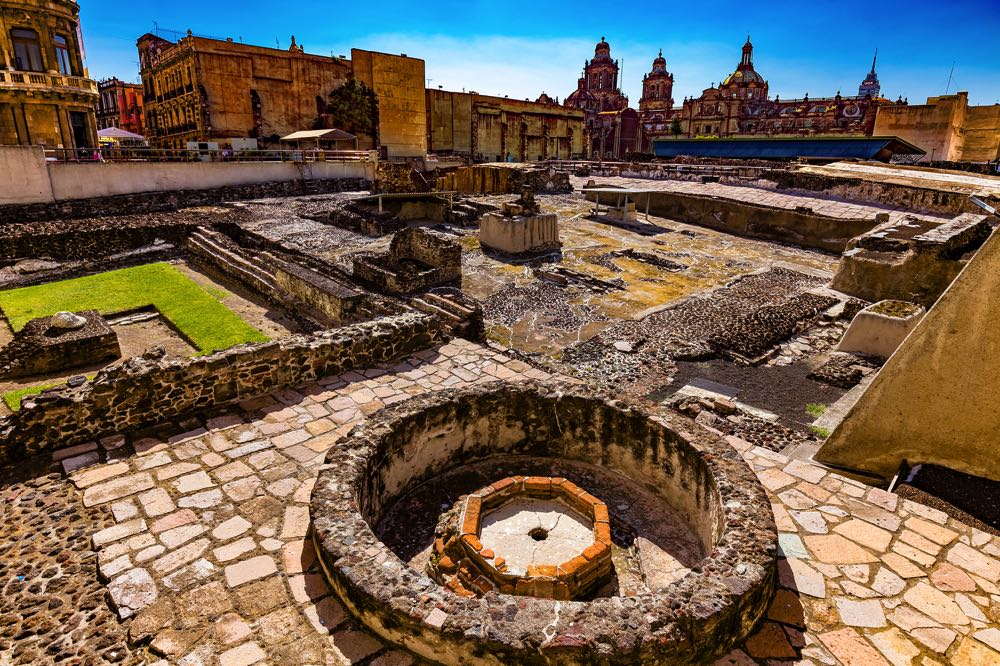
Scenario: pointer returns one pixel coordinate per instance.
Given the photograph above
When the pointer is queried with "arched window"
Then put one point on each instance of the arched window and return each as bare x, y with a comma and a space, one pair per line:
63, 60
27, 52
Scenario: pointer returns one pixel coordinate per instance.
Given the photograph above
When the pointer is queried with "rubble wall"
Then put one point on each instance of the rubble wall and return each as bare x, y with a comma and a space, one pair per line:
150, 389
935, 400
800, 226
907, 197
160, 201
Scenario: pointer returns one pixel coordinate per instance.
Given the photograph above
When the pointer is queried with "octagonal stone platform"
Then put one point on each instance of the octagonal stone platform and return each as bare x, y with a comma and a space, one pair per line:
530, 536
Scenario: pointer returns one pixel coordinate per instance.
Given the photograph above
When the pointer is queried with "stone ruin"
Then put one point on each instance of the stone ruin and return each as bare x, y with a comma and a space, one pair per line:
879, 329
520, 228
63, 341
914, 259
362, 215
417, 260
581, 455
485, 179
530, 536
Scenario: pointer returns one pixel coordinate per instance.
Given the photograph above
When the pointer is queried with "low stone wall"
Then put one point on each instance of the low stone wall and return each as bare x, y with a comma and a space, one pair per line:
333, 300
874, 333
504, 179
87, 239
799, 226
151, 389
861, 190
152, 202
521, 233
417, 260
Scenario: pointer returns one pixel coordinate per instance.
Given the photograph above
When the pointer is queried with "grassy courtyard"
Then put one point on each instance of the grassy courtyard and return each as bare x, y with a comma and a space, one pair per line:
199, 317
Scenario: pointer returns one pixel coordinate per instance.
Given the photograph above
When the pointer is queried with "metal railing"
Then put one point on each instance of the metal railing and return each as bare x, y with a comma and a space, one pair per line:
38, 80
142, 154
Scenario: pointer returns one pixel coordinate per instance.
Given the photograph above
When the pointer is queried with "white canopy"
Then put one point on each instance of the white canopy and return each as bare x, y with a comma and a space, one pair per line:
319, 135
118, 133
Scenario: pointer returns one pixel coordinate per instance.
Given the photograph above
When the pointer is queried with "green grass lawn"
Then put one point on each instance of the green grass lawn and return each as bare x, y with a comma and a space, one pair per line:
197, 314
13, 398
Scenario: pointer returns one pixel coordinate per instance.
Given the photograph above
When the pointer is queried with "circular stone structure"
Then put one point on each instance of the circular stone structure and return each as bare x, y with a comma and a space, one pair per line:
691, 620
526, 535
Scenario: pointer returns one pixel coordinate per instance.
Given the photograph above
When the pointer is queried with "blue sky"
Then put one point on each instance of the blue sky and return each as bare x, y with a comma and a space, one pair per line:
521, 48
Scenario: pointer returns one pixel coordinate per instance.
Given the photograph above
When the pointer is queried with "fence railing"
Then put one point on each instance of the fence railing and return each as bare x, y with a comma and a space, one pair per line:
40, 80
142, 154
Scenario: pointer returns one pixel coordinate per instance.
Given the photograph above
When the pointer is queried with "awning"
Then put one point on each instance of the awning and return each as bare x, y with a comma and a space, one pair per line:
118, 133
319, 135
785, 148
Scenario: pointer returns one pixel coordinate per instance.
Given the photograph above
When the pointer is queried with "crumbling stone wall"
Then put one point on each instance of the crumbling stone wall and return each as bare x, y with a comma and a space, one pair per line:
909, 263
859, 189
153, 202
418, 259
87, 239
505, 179
153, 388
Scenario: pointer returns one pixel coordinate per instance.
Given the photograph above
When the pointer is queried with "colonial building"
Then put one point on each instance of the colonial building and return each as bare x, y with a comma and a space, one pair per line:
611, 129
45, 95
120, 105
200, 89
740, 105
499, 129
657, 101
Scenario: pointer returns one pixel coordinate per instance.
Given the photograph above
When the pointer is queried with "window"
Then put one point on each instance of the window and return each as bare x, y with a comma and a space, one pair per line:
27, 53
62, 55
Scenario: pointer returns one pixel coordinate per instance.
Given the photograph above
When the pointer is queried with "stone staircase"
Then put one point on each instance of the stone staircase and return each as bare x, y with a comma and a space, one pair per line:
219, 252
457, 315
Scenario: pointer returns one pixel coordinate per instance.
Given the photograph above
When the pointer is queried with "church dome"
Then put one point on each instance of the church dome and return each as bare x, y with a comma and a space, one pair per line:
743, 77
660, 64
602, 50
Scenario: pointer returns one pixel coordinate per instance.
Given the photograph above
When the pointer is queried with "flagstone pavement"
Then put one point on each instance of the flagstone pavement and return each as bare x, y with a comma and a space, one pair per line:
206, 556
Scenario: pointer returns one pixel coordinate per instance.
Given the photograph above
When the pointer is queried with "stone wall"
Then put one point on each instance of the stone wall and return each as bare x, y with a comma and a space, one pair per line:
417, 260
336, 302
152, 202
908, 197
87, 239
909, 260
151, 389
504, 179
800, 226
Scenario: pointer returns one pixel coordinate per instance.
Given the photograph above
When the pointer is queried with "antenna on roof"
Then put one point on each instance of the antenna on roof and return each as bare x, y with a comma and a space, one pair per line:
948, 87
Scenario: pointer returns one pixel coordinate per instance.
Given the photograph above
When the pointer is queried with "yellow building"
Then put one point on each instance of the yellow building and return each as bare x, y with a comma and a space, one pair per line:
398, 82
946, 127
501, 129
45, 95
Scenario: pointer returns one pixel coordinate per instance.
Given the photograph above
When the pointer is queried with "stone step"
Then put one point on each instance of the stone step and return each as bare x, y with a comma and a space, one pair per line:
450, 317
235, 263
219, 245
447, 304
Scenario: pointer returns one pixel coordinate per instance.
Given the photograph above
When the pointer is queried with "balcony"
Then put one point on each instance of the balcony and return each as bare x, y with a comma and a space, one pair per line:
43, 81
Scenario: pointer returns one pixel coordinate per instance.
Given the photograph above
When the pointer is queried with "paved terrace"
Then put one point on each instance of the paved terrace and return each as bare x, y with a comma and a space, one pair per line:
202, 541
757, 197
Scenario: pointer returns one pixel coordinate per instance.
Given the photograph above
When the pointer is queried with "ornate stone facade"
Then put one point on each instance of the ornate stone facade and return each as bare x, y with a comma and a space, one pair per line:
612, 129
657, 102
740, 105
120, 105
45, 95
200, 89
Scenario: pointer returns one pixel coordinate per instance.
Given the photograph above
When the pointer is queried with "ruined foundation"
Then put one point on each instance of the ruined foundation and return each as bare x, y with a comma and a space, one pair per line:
40, 348
413, 445
520, 228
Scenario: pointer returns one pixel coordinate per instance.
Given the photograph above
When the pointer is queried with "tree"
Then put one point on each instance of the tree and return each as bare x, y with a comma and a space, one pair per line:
353, 107
675, 126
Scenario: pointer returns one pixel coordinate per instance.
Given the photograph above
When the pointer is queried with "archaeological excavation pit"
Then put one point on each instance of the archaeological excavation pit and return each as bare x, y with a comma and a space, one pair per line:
527, 523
